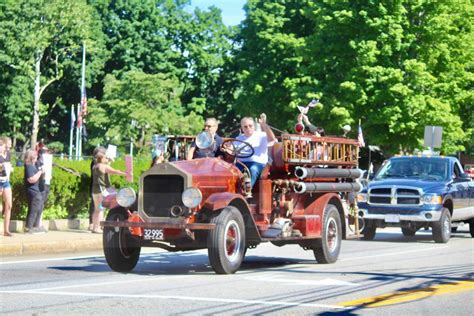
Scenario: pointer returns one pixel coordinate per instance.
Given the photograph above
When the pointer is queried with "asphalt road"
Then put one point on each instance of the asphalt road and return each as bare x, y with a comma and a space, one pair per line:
391, 275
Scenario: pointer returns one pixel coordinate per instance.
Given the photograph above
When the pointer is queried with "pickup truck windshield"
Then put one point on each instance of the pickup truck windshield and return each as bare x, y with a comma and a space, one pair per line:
415, 168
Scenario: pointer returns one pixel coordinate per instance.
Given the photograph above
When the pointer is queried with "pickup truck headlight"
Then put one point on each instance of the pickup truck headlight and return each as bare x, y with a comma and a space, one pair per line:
362, 197
191, 197
126, 197
432, 199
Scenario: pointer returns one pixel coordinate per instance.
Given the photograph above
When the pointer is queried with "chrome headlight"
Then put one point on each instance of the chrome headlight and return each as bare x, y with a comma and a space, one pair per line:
432, 199
191, 197
126, 197
362, 197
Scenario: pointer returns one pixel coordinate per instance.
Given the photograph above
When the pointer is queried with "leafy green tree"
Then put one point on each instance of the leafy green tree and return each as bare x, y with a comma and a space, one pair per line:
137, 106
41, 40
161, 36
397, 66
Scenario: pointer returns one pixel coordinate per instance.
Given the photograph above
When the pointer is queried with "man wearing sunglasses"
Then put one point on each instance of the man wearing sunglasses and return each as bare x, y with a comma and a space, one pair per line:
260, 142
194, 152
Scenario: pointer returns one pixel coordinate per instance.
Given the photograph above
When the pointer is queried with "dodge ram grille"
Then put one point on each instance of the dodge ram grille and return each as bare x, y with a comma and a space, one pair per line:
395, 196
161, 193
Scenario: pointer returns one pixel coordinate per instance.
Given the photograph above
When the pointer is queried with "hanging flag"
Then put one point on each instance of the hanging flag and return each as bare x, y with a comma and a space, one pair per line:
73, 118
360, 137
84, 102
79, 117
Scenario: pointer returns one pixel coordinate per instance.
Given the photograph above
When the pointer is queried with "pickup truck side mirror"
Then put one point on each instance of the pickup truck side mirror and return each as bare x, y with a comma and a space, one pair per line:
463, 177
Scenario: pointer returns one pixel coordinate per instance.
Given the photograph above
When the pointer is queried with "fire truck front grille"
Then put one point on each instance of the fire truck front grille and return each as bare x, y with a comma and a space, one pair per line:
394, 196
161, 193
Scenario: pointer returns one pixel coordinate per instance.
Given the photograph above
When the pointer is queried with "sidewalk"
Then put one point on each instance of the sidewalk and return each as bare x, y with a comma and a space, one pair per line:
65, 241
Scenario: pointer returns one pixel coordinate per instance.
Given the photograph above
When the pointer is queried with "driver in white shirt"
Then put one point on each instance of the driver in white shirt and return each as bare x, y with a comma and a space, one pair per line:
259, 141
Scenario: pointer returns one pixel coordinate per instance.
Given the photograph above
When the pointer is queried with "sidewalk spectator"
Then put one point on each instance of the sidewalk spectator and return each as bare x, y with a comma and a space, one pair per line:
100, 186
5, 187
35, 196
44, 157
91, 183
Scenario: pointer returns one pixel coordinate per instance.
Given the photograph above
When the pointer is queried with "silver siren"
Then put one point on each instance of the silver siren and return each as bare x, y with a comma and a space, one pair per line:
204, 140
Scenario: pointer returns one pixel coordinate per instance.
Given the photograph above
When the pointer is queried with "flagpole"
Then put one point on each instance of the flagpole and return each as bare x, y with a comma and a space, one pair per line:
71, 131
83, 87
78, 119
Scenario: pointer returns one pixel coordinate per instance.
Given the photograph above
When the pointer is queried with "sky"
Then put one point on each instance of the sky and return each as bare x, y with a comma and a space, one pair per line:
232, 10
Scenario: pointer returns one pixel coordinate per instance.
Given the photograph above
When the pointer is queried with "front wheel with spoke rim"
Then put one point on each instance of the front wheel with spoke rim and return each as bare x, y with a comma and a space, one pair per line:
226, 242
121, 250
326, 250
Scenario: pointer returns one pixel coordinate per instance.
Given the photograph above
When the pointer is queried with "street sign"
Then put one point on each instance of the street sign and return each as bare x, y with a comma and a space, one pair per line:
433, 136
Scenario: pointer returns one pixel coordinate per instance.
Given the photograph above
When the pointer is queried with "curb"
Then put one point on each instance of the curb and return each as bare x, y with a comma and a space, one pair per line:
55, 246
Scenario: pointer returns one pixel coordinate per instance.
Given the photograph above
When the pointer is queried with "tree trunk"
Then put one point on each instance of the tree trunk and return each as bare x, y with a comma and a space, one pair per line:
36, 104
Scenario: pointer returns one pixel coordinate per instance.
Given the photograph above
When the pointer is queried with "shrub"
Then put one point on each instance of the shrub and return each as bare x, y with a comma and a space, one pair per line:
69, 195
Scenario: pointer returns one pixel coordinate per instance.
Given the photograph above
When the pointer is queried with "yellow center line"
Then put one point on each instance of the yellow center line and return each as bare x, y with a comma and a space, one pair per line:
406, 296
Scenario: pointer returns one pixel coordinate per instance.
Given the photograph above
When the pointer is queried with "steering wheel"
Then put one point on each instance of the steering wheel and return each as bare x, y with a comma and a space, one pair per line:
240, 150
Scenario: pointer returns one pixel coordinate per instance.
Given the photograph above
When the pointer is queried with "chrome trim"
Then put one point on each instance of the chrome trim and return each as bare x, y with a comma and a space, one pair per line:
435, 216
394, 196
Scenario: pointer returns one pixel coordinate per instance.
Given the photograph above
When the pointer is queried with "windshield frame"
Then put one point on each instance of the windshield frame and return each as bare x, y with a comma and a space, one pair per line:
415, 168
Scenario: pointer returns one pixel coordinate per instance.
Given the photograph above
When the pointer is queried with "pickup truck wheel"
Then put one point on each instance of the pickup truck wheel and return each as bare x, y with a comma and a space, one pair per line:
471, 227
442, 228
408, 231
120, 249
369, 230
326, 249
226, 242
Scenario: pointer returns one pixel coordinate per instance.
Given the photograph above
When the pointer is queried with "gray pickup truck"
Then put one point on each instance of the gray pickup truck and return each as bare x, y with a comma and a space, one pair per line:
414, 192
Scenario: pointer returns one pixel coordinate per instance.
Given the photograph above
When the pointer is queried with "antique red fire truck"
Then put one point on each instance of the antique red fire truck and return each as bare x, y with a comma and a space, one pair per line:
206, 203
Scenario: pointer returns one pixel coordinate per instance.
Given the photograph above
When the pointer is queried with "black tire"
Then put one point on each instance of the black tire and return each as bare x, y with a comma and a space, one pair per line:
369, 230
120, 249
226, 242
442, 228
471, 227
408, 231
326, 249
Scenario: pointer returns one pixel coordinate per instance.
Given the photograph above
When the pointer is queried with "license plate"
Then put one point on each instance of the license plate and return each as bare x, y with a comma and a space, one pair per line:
392, 218
153, 234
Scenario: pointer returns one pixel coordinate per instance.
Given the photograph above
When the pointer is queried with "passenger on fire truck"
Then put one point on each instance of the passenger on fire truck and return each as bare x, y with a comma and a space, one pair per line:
260, 141
194, 152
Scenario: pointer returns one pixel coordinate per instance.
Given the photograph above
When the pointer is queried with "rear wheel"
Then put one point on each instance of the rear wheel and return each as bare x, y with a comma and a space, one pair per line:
442, 228
369, 230
226, 242
471, 227
326, 250
120, 249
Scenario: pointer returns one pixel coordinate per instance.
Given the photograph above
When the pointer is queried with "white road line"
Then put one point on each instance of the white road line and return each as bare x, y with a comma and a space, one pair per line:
176, 297
323, 282
97, 284
393, 253
48, 259
143, 255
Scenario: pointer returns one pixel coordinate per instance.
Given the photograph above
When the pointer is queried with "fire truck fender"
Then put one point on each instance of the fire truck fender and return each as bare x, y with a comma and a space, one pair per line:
319, 204
217, 201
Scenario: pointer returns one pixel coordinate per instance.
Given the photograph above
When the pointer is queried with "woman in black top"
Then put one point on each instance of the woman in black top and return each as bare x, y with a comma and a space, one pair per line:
35, 196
